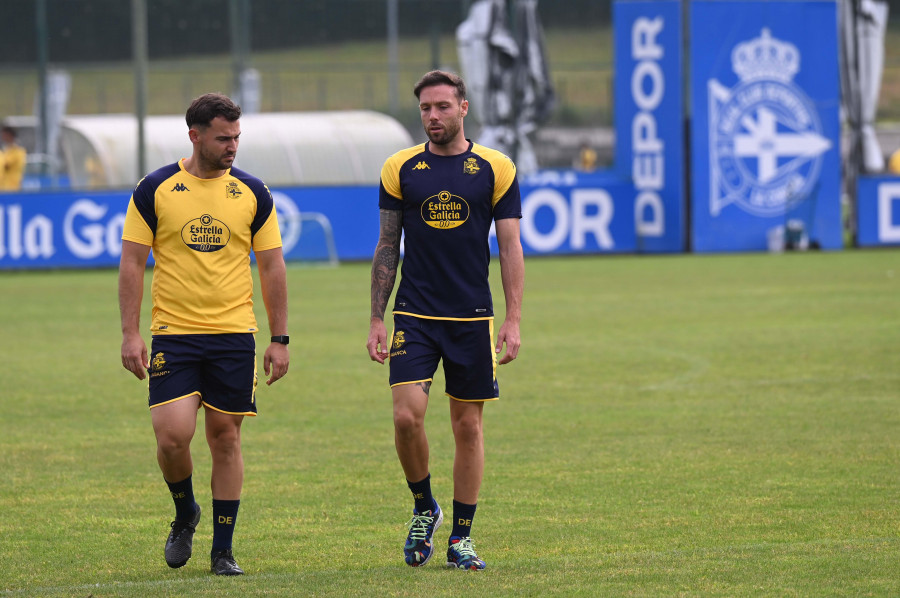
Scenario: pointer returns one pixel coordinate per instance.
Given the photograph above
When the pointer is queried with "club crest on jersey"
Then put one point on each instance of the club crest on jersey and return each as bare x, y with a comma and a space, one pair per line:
232, 190
398, 339
445, 210
205, 234
766, 141
470, 166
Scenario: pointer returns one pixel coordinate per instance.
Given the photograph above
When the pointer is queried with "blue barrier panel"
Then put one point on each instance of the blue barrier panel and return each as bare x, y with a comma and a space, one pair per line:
352, 213
649, 117
765, 131
563, 212
569, 212
58, 230
878, 211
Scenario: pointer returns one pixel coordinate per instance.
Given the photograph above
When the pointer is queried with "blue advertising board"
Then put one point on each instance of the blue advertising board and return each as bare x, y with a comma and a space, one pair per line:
563, 212
649, 117
878, 211
65, 229
765, 130
571, 212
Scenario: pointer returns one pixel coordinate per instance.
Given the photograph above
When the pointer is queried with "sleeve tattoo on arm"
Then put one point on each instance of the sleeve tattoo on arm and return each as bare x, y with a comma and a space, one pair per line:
387, 257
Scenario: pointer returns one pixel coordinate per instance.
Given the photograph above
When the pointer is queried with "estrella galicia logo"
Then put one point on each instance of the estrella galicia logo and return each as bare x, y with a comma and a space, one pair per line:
766, 140
398, 339
445, 210
205, 234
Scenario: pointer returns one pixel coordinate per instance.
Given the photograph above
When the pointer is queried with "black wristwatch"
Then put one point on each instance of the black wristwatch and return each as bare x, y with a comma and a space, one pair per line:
283, 339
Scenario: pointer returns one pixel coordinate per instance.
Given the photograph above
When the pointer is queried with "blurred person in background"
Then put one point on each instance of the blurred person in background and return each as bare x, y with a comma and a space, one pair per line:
893, 165
587, 158
443, 195
202, 218
12, 160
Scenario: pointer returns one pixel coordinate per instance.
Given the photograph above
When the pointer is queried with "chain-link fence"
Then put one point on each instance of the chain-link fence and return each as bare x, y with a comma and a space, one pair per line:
305, 54
309, 55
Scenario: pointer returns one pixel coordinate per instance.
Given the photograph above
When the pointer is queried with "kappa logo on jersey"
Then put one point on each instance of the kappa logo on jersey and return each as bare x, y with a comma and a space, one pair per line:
233, 190
180, 187
470, 166
421, 166
445, 210
766, 141
205, 234
398, 339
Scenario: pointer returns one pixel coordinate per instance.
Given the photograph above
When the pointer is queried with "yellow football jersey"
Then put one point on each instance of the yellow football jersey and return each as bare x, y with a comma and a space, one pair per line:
13, 170
201, 232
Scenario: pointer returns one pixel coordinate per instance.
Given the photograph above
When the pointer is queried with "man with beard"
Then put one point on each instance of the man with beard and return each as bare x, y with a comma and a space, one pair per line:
443, 196
202, 217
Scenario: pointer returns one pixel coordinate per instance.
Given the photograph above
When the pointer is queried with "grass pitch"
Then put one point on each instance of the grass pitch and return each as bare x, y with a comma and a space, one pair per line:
674, 426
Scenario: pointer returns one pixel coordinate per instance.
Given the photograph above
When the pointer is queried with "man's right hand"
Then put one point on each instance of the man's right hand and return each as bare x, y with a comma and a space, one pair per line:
134, 355
377, 343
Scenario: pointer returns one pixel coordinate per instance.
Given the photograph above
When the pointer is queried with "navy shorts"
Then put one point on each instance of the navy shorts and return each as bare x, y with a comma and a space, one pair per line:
465, 346
221, 368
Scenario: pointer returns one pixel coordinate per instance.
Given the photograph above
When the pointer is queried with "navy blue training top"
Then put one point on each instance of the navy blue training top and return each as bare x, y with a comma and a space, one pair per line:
448, 205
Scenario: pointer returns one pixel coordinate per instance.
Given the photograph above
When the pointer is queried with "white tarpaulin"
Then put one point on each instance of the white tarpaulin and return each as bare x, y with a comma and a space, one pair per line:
863, 24
506, 74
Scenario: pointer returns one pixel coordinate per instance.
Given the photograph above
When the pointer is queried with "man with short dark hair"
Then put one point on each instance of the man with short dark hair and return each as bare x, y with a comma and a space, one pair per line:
443, 195
202, 217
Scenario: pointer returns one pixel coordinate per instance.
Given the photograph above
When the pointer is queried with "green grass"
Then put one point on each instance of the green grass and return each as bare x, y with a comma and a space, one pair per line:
674, 426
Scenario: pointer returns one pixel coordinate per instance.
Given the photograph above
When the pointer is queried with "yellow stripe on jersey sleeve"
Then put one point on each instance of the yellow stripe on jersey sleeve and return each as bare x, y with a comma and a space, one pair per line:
504, 170
390, 172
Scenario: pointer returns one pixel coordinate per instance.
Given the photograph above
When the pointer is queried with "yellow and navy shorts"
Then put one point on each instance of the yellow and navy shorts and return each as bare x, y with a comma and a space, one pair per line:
465, 346
221, 368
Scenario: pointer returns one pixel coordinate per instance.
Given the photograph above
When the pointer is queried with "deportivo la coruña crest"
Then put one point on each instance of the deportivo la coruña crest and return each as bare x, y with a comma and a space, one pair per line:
766, 141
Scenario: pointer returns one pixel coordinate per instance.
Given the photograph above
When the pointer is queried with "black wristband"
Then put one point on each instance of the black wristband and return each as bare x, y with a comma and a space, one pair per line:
283, 339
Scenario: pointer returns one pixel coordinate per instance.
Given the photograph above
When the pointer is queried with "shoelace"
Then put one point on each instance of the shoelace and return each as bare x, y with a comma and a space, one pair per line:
418, 526
465, 547
178, 527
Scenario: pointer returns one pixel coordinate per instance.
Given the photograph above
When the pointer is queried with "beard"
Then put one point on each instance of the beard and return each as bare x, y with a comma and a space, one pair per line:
216, 162
445, 135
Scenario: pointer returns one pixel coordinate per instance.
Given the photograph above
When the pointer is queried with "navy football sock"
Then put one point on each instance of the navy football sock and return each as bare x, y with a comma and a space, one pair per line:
183, 496
224, 517
422, 494
463, 515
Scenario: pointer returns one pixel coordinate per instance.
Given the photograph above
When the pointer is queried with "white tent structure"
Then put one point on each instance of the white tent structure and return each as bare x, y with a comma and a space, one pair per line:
281, 148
